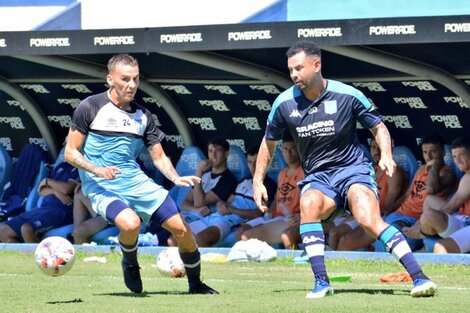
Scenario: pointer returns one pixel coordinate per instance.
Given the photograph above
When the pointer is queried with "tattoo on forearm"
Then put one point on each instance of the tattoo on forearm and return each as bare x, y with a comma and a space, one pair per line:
80, 162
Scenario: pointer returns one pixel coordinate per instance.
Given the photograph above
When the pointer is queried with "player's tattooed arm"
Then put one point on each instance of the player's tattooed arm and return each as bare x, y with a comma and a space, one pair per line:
84, 164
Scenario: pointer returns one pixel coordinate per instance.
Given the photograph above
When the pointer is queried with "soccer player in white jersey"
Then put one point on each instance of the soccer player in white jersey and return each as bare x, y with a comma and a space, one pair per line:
321, 117
108, 131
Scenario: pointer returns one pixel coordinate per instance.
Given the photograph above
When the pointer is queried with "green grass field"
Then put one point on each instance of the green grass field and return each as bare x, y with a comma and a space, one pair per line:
278, 286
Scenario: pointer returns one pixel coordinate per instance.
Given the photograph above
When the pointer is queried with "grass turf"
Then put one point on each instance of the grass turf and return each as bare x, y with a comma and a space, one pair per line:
278, 286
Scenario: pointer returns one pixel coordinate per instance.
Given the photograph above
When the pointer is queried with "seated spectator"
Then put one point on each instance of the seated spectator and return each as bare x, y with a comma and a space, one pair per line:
23, 176
55, 210
283, 227
217, 184
86, 222
347, 235
432, 178
449, 219
239, 208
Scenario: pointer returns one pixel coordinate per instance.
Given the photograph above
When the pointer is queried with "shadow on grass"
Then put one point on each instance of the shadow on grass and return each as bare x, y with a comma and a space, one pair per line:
65, 301
143, 294
359, 291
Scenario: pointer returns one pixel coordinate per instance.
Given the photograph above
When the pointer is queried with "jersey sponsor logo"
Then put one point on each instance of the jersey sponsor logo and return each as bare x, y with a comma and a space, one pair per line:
413, 102
311, 239
380, 30
49, 42
3, 43
449, 121
181, 38
312, 110
319, 32
456, 27
249, 35
331, 107
320, 128
294, 113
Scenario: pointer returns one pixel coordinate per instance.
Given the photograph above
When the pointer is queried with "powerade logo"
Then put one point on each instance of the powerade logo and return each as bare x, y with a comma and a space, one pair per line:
237, 142
206, 123
40, 142
456, 27
217, 105
15, 122
449, 121
372, 86
113, 40
181, 38
251, 123
400, 121
413, 102
319, 32
249, 35
64, 120
423, 85
49, 42
381, 30
73, 102
6, 143
456, 100
151, 101
269, 89
15, 103
223, 89
156, 120
36, 88
80, 88
262, 105
176, 139
179, 89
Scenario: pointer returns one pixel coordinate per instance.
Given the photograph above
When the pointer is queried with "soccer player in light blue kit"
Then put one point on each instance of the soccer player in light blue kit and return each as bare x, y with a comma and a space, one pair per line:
108, 131
321, 116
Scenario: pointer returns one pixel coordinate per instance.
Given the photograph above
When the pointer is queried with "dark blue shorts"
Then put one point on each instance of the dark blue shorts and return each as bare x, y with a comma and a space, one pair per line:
165, 211
41, 220
335, 184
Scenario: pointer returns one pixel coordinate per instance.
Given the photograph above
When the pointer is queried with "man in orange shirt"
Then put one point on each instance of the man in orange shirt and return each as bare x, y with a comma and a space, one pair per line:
449, 219
432, 178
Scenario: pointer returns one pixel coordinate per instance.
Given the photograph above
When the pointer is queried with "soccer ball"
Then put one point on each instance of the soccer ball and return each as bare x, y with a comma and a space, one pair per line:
169, 263
54, 256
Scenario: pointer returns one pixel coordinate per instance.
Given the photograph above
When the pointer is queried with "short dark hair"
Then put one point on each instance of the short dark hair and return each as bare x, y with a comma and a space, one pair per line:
433, 139
219, 141
252, 150
121, 58
461, 142
308, 47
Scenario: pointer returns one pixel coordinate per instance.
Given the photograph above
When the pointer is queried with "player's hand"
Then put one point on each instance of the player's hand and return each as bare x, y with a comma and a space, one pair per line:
260, 195
65, 199
108, 172
186, 181
204, 210
387, 165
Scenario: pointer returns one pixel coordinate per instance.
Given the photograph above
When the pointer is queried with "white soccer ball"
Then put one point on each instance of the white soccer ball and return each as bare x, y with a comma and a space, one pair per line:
54, 256
169, 263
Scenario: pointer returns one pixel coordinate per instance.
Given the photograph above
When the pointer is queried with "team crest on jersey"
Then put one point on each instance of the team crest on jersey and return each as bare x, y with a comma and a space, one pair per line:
330, 107
295, 113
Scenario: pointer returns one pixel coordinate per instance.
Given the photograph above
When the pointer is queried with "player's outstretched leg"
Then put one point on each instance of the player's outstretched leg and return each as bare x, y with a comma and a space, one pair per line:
313, 239
131, 268
396, 244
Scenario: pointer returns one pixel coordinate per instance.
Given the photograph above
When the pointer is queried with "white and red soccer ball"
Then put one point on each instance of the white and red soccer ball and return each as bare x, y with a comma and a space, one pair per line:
54, 256
169, 263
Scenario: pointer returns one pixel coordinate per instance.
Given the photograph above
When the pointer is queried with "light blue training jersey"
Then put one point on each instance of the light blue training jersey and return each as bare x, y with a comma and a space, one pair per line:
114, 137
